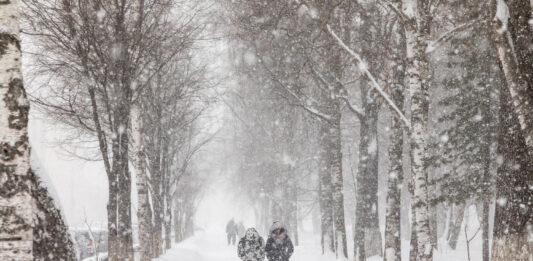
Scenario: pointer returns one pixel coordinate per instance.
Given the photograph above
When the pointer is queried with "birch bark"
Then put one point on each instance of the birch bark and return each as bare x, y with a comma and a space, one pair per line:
139, 163
16, 204
417, 29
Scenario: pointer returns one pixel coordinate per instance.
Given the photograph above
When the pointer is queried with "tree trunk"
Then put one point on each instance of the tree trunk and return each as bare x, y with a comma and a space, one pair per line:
168, 222
393, 243
455, 230
157, 200
112, 215
16, 206
413, 244
368, 236
514, 208
139, 162
337, 183
123, 188
177, 222
513, 34
51, 237
485, 228
166, 210
417, 33
325, 194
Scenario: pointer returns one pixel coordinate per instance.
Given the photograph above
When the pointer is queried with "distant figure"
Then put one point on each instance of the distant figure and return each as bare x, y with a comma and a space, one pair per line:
241, 230
278, 246
231, 231
251, 246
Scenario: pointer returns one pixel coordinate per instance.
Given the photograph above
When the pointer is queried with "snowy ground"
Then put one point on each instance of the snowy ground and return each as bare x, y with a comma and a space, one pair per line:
210, 245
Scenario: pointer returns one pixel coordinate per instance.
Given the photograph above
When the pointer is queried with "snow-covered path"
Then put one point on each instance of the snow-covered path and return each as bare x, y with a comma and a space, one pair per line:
204, 246
211, 246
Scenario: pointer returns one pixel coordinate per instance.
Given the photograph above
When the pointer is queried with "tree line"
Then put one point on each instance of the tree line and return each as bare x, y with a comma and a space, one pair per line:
121, 75
438, 89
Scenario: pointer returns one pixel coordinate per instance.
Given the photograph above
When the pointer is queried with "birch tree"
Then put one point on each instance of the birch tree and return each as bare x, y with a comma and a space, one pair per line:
417, 26
395, 179
16, 203
32, 224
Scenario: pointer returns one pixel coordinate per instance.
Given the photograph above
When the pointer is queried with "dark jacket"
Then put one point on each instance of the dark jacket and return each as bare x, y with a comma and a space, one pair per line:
278, 247
251, 246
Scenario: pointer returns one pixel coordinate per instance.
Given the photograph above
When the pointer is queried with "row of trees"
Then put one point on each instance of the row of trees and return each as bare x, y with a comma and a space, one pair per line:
119, 74
311, 71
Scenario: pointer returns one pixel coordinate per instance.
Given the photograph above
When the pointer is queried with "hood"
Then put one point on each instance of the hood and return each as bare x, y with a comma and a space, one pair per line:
251, 234
275, 226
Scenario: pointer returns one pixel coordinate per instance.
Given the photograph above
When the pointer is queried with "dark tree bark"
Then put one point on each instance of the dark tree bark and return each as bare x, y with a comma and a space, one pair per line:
325, 195
455, 230
367, 234
514, 207
337, 182
513, 35
393, 243
51, 237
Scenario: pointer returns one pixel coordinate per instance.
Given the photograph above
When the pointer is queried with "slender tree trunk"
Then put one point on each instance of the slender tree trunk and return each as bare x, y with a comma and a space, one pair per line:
368, 236
112, 215
337, 184
139, 162
16, 205
177, 221
157, 200
166, 210
362, 208
514, 208
417, 33
393, 243
455, 230
513, 34
413, 249
144, 217
485, 228
168, 224
123, 187
325, 194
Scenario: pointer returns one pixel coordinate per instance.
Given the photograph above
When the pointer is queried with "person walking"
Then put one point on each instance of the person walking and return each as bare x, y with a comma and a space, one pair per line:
251, 246
278, 246
241, 229
231, 232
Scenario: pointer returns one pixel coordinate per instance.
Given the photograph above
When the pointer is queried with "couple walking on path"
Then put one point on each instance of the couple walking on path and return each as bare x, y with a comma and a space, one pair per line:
278, 246
233, 230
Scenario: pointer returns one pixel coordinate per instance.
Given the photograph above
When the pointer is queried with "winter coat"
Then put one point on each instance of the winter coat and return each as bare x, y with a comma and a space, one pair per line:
231, 228
278, 247
251, 246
